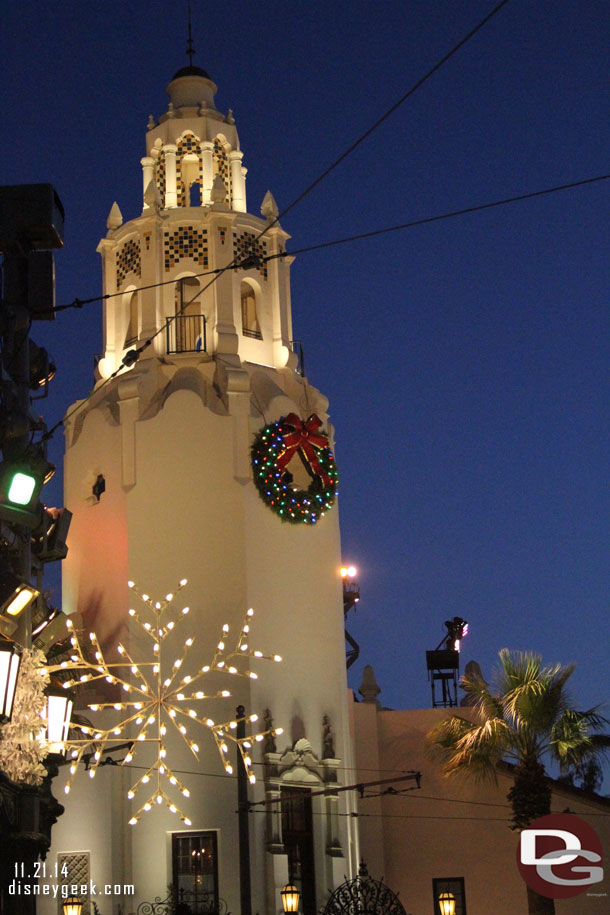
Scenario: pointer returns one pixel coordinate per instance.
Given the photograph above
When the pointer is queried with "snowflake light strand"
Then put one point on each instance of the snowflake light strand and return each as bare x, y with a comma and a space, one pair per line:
157, 697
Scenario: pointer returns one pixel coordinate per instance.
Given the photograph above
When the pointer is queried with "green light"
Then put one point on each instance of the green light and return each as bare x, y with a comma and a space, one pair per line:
21, 488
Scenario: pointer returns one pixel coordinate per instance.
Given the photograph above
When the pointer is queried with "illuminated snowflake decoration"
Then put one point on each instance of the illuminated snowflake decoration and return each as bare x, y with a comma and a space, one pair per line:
158, 698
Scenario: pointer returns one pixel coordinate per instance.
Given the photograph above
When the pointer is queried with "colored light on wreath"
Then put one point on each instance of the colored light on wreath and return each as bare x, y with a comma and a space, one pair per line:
272, 448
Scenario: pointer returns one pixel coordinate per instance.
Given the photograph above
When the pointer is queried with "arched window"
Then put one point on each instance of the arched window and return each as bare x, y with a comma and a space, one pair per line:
187, 334
249, 318
133, 328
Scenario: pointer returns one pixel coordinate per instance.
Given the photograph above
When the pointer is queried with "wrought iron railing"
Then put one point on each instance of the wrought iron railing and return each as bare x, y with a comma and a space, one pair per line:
184, 903
249, 332
186, 334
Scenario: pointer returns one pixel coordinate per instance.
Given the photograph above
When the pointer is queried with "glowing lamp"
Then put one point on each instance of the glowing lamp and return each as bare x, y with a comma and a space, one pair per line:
290, 898
446, 903
10, 661
348, 571
21, 487
58, 713
72, 905
15, 595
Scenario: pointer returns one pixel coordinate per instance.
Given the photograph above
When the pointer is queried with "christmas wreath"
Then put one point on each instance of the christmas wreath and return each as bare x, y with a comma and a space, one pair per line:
273, 449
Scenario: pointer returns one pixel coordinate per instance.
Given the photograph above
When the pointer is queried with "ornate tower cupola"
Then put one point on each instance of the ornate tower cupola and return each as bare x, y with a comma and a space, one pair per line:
204, 455
157, 267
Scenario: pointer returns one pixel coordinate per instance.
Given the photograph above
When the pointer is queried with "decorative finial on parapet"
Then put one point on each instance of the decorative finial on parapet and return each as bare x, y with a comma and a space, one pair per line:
369, 688
115, 217
269, 207
218, 193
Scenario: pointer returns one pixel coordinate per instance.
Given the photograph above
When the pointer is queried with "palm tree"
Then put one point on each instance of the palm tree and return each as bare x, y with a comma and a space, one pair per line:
526, 720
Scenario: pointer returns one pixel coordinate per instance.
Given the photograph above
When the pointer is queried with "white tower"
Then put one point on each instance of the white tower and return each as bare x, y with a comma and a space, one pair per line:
159, 477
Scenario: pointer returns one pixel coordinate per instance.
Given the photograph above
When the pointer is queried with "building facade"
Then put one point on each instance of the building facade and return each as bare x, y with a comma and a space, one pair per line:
160, 476
450, 836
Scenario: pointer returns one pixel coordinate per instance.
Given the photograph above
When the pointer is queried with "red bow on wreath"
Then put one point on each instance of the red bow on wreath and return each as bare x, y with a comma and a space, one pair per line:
303, 436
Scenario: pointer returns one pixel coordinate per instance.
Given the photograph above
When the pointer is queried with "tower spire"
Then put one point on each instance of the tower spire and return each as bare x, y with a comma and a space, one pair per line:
190, 50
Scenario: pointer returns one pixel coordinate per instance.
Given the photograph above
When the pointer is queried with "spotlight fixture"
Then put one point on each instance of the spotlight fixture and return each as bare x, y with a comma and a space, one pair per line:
457, 628
15, 595
10, 661
58, 713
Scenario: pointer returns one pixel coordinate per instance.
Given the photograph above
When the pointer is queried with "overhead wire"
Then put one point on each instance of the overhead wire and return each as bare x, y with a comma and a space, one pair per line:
412, 796
367, 133
317, 247
434, 69
361, 236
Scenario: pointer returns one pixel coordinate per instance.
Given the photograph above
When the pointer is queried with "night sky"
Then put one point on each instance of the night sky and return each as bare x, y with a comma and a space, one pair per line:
465, 361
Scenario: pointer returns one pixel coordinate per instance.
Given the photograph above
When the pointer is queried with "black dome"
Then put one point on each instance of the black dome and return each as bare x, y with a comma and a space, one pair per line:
191, 71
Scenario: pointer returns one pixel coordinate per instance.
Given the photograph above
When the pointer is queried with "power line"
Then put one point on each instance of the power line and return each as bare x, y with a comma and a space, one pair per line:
79, 303
139, 350
128, 362
418, 796
441, 216
437, 66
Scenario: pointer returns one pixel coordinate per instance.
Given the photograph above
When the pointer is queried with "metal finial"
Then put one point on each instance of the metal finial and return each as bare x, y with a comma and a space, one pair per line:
190, 50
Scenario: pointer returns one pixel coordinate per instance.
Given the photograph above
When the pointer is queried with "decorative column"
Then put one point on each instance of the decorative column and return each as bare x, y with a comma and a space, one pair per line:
207, 171
171, 197
148, 173
238, 184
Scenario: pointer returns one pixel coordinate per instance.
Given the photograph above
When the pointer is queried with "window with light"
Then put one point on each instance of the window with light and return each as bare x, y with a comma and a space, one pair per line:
195, 870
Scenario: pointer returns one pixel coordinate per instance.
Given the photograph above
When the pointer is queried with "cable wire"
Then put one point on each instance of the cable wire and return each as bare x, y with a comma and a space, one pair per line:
439, 217
78, 303
139, 350
328, 244
424, 79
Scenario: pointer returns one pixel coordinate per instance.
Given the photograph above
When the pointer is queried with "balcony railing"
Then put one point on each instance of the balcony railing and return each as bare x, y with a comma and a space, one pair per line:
186, 334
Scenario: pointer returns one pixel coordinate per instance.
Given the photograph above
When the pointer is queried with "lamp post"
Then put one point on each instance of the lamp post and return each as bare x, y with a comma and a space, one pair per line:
446, 903
72, 905
10, 661
243, 821
290, 898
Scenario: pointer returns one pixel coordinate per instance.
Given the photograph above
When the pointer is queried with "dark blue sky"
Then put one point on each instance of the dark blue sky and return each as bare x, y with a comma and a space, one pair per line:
466, 361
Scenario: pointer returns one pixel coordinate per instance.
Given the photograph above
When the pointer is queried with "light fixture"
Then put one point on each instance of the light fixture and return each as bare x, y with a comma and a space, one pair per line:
290, 898
20, 485
15, 595
72, 905
58, 713
446, 902
10, 661
348, 571
457, 628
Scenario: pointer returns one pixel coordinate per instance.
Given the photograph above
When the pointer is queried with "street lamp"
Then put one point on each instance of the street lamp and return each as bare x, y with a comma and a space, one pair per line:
10, 661
290, 898
446, 902
72, 905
